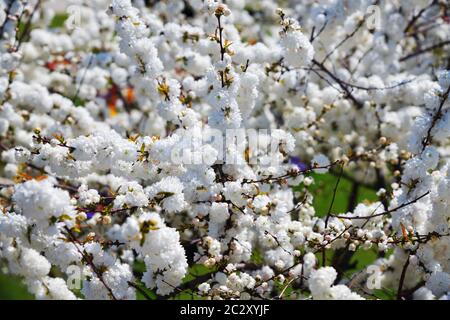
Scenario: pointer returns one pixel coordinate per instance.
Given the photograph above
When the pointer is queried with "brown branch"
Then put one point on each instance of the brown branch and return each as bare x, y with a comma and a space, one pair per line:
344, 87
313, 36
385, 212
347, 37
190, 285
334, 196
222, 49
417, 16
291, 174
27, 26
436, 117
425, 50
77, 92
402, 278
90, 262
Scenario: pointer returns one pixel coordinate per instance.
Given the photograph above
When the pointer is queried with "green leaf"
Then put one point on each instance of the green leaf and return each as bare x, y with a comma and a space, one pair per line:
257, 257
58, 20
385, 294
195, 271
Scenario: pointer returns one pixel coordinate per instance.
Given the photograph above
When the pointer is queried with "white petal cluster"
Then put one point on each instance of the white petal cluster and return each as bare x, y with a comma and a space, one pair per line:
322, 288
160, 247
160, 139
297, 49
40, 201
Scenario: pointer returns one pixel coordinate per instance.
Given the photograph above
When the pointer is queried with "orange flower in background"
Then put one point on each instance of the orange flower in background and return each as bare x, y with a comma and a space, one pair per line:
130, 97
111, 100
114, 94
54, 64
23, 176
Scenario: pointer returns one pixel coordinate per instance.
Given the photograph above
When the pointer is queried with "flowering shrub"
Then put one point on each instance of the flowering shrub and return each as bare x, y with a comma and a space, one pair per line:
164, 149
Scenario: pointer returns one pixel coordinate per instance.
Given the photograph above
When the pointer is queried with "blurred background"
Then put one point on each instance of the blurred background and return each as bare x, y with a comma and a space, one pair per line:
11, 288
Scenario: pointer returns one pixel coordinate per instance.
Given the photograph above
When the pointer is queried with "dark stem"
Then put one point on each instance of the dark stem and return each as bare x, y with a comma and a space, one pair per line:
90, 262
402, 279
385, 212
344, 87
27, 26
425, 50
436, 117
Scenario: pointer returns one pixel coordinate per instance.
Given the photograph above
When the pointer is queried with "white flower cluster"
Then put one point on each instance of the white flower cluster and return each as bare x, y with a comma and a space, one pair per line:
109, 165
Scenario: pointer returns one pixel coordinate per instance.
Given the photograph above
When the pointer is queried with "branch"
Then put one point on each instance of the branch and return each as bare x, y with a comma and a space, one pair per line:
417, 16
90, 262
424, 50
334, 196
385, 212
290, 174
344, 87
402, 278
436, 117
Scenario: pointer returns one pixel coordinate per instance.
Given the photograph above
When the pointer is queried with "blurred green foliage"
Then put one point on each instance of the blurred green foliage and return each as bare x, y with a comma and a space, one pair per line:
58, 20
323, 188
11, 288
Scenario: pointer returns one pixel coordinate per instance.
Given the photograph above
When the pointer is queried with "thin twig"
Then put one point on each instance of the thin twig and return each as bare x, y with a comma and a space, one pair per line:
425, 50
402, 278
436, 117
344, 87
90, 262
385, 212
